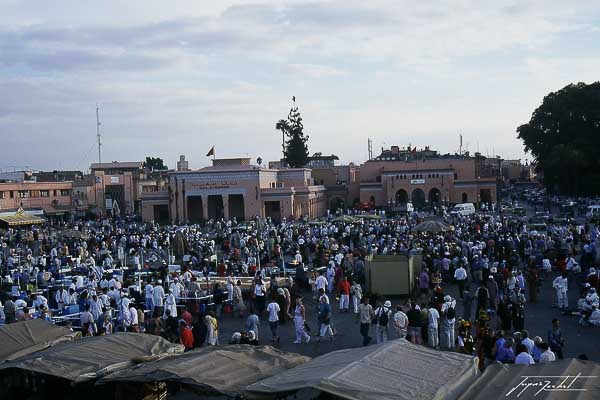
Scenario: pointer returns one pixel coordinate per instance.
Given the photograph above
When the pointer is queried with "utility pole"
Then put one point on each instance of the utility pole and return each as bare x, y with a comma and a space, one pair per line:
370, 148
98, 134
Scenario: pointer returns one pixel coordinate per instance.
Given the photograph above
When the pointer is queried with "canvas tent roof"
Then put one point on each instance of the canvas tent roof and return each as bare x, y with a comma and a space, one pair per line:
503, 381
395, 370
93, 357
23, 338
221, 370
21, 217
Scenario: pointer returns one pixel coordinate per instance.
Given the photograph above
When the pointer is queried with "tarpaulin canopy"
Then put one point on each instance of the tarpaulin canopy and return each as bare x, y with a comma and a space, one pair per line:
432, 226
216, 370
23, 338
93, 357
345, 218
21, 217
503, 381
395, 370
368, 216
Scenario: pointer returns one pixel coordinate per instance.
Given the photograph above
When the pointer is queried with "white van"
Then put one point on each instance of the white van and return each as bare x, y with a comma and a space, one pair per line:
463, 209
593, 213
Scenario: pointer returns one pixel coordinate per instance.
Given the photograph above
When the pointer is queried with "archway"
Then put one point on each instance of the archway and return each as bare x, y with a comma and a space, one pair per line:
194, 209
273, 210
336, 203
465, 197
418, 198
485, 195
401, 196
236, 207
435, 196
215, 207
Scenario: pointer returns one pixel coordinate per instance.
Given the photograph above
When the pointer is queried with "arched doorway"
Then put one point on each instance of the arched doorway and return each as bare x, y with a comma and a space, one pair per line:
336, 203
236, 207
465, 198
485, 195
195, 211
418, 198
435, 196
215, 207
401, 196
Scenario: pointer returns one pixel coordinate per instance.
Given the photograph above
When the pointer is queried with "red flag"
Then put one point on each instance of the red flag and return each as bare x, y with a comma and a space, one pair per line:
211, 152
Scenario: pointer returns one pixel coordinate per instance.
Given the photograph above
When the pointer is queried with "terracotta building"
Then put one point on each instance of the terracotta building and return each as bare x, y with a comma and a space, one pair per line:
236, 188
53, 198
424, 177
116, 182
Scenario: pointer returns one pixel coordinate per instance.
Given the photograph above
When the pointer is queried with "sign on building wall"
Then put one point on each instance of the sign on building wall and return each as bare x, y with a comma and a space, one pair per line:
114, 179
417, 181
212, 185
108, 204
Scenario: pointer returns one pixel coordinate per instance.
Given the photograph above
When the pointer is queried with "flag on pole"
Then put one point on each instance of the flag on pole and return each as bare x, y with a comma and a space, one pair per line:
211, 152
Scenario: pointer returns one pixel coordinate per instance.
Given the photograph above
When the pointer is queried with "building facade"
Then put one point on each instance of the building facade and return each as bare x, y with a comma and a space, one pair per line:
234, 188
116, 183
424, 178
53, 198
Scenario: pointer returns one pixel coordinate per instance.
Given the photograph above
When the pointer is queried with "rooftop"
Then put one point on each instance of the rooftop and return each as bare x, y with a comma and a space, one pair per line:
117, 165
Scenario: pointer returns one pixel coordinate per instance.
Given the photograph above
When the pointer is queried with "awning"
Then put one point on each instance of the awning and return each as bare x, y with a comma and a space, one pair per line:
20, 217
395, 370
93, 357
23, 338
212, 371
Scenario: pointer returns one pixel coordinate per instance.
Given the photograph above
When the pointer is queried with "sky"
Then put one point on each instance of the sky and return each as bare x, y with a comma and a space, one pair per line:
178, 77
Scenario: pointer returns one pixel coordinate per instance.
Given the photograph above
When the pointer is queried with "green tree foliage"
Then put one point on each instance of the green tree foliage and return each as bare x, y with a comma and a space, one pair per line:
296, 149
154, 164
563, 135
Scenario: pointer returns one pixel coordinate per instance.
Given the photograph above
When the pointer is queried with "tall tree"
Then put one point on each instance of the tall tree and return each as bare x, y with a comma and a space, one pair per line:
295, 148
563, 135
154, 164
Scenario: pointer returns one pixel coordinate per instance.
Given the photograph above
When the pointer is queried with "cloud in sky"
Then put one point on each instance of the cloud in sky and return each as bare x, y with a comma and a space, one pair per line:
178, 77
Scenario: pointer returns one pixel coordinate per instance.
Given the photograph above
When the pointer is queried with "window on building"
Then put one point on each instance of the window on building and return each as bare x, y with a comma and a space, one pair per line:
44, 193
55, 192
23, 194
378, 178
65, 192
12, 194
455, 175
35, 193
2, 195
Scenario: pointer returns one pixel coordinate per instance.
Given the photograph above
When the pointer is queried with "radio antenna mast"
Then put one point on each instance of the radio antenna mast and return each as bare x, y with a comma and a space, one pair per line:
98, 134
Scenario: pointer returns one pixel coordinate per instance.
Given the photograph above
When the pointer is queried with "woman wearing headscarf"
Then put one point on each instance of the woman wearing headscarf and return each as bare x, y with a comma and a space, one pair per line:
170, 304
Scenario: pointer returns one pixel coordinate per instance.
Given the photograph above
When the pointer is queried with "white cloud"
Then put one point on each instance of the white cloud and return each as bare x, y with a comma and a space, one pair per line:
180, 76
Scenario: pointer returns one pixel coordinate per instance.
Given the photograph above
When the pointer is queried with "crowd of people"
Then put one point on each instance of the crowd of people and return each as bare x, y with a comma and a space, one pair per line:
470, 295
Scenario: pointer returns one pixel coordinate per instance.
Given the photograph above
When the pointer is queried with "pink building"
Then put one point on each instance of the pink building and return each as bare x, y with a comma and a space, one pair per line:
53, 198
235, 188
424, 177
